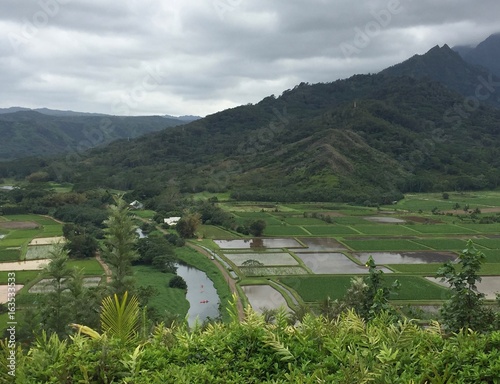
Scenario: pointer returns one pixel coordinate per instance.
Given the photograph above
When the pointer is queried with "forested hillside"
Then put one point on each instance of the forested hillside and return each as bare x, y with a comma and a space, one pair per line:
30, 133
412, 128
446, 66
364, 139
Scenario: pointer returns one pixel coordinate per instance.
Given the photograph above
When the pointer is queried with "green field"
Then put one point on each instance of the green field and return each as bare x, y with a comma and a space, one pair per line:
447, 244
8, 254
168, 299
385, 245
284, 230
384, 229
330, 230
443, 229
316, 288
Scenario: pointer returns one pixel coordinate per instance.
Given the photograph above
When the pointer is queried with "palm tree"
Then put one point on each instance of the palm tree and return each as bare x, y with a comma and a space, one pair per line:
119, 319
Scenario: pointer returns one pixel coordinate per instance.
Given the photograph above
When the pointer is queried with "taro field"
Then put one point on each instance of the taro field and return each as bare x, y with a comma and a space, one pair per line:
311, 251
26, 242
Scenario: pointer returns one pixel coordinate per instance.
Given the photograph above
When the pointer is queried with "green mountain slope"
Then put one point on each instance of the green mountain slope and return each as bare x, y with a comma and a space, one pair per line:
364, 139
30, 133
449, 68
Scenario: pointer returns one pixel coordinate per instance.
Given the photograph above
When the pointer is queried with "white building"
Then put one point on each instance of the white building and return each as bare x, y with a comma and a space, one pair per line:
172, 220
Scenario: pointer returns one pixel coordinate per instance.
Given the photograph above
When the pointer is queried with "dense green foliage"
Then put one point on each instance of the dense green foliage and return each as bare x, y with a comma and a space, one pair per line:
446, 66
29, 133
119, 247
365, 139
346, 350
465, 308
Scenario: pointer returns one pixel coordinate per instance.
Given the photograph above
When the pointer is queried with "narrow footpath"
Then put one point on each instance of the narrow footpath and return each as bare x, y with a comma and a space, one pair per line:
105, 266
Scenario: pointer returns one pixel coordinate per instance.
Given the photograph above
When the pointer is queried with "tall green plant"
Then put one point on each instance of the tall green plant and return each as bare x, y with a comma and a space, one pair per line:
119, 319
119, 247
56, 312
465, 308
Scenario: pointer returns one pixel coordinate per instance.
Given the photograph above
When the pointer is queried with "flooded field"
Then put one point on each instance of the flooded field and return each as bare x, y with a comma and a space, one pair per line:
47, 240
278, 258
489, 285
420, 257
257, 243
383, 219
320, 244
46, 285
263, 297
333, 263
24, 265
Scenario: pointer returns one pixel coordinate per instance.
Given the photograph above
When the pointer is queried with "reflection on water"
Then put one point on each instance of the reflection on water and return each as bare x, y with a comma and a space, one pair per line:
201, 294
321, 244
263, 297
420, 257
334, 263
257, 242
378, 219
140, 233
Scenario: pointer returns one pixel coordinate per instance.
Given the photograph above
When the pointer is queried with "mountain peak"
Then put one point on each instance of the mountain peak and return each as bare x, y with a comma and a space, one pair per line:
444, 65
486, 54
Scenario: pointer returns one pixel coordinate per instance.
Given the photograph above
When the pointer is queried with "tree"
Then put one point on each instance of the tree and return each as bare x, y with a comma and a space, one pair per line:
55, 313
177, 282
186, 227
157, 251
465, 308
368, 297
257, 227
119, 248
81, 246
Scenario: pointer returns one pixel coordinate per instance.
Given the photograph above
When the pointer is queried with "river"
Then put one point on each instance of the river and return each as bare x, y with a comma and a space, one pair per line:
201, 294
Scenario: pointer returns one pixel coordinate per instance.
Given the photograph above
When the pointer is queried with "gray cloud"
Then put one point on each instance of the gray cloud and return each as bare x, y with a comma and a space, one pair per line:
190, 57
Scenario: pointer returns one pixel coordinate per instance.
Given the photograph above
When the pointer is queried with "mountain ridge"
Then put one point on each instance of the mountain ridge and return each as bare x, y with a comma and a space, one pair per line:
366, 139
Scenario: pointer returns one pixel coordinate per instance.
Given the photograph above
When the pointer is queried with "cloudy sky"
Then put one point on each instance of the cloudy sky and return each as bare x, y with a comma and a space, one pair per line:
139, 57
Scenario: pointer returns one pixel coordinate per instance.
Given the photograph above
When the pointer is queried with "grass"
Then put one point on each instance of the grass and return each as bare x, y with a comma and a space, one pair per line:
317, 288
418, 269
22, 277
492, 256
488, 243
384, 245
284, 230
90, 266
145, 213
7, 254
417, 288
322, 230
441, 229
483, 228
384, 229
213, 232
61, 187
443, 244
168, 299
303, 221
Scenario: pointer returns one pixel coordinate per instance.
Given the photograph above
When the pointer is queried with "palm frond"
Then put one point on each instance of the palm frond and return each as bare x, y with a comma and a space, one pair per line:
120, 318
